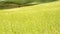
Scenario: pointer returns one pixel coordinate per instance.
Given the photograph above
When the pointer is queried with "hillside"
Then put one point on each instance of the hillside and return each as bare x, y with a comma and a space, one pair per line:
38, 19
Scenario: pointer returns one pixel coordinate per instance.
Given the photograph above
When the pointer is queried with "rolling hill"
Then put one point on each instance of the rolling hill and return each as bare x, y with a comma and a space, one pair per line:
38, 19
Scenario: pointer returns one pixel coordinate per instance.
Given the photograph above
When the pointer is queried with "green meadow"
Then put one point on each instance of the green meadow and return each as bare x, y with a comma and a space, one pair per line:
37, 19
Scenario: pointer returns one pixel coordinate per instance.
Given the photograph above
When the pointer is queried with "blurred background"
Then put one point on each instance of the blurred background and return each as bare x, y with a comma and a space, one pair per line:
28, 1
19, 3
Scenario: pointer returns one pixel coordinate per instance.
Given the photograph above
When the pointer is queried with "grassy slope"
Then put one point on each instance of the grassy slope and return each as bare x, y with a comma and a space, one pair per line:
38, 19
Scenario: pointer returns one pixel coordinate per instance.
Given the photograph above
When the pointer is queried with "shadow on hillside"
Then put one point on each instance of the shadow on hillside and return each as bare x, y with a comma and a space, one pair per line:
11, 5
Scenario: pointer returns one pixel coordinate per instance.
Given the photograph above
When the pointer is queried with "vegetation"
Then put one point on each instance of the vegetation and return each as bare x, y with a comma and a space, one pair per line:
7, 4
38, 19
28, 1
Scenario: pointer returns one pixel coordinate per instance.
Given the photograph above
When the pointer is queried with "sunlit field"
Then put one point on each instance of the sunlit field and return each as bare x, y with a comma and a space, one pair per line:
37, 19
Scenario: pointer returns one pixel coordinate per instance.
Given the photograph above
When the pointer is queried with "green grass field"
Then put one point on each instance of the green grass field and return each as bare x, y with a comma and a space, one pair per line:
38, 19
